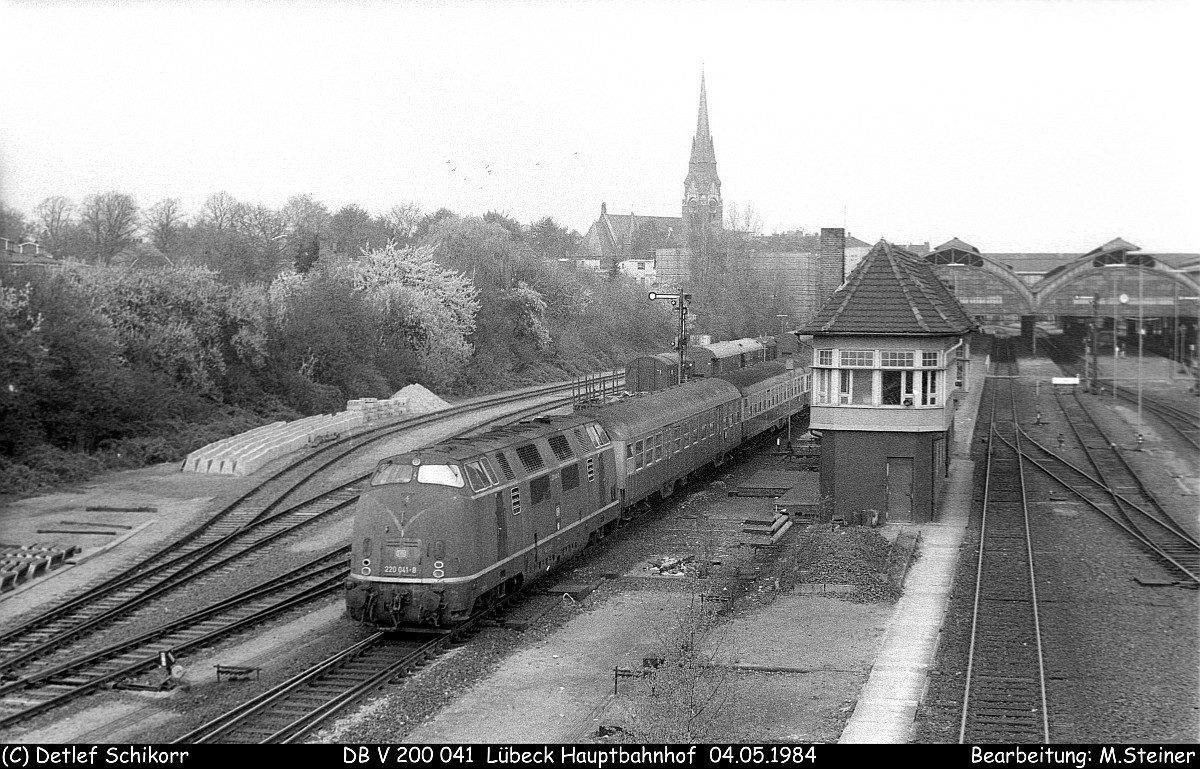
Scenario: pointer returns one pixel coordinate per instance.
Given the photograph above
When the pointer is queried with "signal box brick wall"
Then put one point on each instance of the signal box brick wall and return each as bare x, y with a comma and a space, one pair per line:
854, 466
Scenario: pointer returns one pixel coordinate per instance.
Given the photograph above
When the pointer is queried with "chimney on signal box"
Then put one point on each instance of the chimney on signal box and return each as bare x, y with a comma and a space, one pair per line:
832, 260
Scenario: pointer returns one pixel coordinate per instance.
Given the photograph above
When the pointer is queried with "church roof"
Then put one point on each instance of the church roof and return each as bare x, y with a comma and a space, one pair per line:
612, 234
891, 292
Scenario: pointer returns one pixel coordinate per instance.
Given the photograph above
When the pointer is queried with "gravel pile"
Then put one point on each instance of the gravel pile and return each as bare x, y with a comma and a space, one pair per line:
420, 399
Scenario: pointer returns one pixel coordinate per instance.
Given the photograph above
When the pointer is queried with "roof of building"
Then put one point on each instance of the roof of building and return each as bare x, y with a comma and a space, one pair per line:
891, 292
29, 259
955, 243
612, 234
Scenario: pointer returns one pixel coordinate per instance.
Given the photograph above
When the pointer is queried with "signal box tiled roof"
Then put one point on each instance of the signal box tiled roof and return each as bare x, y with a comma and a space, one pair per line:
892, 292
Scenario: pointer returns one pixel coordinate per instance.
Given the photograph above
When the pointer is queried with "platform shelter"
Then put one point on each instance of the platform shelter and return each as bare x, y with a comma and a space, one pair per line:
890, 354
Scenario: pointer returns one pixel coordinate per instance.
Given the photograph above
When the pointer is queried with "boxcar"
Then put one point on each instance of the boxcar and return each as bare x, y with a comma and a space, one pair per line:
651, 373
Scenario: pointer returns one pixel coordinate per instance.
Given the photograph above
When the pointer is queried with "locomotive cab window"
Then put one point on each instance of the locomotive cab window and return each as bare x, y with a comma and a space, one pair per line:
440, 475
597, 435
479, 474
570, 477
392, 473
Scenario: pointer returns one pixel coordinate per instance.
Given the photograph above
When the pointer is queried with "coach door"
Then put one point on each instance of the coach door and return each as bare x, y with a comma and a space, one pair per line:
899, 489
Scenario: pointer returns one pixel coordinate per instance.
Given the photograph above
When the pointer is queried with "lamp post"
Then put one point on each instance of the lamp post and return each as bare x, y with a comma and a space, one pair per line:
1122, 299
1141, 337
1093, 382
678, 301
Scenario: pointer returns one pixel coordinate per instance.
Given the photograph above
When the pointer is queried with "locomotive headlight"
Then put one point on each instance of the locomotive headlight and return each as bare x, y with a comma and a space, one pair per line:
366, 571
438, 564
366, 562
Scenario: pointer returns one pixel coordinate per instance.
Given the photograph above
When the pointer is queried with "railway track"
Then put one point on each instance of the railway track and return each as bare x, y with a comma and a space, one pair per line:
119, 664
1161, 535
299, 705
1185, 424
93, 622
1005, 694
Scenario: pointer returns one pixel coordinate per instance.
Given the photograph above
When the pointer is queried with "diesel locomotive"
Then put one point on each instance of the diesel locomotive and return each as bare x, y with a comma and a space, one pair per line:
449, 530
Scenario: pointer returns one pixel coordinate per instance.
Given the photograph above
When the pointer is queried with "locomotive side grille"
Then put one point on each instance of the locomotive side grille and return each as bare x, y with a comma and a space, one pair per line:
504, 466
531, 458
580, 439
562, 449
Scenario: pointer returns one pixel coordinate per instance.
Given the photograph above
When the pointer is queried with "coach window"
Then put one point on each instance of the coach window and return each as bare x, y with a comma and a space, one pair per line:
638, 455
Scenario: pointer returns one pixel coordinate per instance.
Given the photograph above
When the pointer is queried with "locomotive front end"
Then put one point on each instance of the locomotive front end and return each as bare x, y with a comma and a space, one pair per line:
411, 554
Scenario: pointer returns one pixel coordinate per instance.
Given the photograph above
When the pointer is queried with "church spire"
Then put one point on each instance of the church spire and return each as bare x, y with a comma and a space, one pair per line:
702, 143
702, 204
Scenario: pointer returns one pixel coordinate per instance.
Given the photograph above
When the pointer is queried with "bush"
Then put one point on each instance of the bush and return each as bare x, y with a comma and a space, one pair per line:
17, 478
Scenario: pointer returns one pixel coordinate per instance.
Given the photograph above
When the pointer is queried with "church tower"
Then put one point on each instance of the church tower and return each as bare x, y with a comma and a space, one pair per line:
703, 210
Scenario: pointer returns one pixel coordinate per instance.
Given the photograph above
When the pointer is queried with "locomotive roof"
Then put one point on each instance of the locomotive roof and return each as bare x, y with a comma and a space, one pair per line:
503, 437
646, 412
744, 379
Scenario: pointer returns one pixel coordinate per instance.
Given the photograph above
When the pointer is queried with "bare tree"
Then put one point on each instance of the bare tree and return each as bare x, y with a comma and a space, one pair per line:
306, 217
221, 211
263, 224
162, 223
53, 218
111, 219
744, 218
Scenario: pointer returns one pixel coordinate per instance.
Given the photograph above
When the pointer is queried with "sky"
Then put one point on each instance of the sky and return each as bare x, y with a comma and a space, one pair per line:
1015, 125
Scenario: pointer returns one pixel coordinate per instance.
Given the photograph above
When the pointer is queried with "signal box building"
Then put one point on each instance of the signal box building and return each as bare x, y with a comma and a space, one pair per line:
889, 353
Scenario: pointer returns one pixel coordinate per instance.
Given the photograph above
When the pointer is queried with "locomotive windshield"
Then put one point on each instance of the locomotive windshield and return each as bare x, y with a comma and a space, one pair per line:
436, 475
